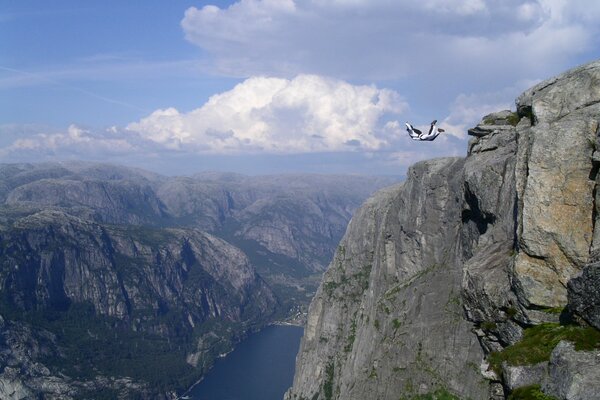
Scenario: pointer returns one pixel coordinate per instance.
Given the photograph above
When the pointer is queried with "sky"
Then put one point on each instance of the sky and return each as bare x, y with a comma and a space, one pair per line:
271, 86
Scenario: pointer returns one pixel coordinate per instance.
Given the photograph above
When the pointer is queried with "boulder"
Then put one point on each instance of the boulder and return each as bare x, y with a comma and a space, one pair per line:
516, 376
573, 375
583, 292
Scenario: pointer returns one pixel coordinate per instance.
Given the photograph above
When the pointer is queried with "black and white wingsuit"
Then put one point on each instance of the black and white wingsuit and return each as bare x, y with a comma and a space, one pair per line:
413, 132
430, 136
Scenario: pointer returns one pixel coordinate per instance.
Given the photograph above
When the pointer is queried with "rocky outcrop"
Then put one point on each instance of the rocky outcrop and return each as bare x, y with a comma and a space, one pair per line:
517, 376
583, 292
556, 182
471, 251
573, 375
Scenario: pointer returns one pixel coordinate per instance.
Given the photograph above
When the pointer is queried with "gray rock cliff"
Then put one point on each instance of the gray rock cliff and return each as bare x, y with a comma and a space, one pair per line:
121, 302
438, 276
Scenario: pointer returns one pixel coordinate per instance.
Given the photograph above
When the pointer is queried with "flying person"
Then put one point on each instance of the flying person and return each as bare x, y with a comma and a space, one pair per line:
430, 136
434, 132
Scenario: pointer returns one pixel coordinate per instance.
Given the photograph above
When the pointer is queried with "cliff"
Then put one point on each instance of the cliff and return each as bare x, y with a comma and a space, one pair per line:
84, 301
441, 284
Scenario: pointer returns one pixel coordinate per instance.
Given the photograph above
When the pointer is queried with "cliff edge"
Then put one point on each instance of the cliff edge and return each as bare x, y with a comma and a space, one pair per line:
439, 280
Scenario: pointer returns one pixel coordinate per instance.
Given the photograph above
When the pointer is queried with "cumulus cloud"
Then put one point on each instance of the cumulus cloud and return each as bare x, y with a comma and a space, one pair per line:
383, 39
75, 140
308, 113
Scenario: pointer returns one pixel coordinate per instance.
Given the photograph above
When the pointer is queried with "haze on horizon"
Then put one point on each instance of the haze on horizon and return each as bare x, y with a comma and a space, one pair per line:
267, 86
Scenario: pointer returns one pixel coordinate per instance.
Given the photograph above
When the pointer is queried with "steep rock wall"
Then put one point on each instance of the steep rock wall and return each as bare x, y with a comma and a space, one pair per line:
435, 274
387, 319
125, 311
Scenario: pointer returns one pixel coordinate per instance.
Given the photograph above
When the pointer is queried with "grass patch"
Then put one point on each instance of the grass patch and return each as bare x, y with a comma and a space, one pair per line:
539, 341
511, 312
553, 310
513, 119
532, 392
488, 325
439, 394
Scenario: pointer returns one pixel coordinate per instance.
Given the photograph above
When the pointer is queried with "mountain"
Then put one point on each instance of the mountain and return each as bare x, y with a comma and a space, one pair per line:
477, 277
288, 225
123, 301
117, 282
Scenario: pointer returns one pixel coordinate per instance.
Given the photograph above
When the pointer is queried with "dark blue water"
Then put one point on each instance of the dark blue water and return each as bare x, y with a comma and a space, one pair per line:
260, 368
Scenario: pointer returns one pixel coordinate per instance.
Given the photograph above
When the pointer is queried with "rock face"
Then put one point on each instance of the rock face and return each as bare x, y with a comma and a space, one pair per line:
573, 375
583, 292
51, 260
556, 177
158, 290
435, 274
387, 319
24, 377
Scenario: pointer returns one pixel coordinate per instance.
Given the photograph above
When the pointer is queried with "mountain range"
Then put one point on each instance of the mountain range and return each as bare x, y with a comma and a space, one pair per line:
120, 282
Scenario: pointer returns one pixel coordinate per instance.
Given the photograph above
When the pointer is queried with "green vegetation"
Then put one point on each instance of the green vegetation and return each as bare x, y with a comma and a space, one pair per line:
539, 341
328, 384
391, 293
351, 337
439, 394
373, 373
532, 392
357, 283
511, 312
513, 119
329, 288
488, 325
396, 323
92, 344
553, 310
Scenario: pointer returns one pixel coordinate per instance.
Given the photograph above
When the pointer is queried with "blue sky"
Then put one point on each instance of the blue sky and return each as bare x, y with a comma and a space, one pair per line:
266, 86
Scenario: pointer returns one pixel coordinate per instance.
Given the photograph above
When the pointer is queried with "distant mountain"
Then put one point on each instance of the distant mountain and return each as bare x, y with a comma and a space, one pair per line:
288, 225
127, 283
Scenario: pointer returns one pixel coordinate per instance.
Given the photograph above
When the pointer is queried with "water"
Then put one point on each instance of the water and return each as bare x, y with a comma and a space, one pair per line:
260, 368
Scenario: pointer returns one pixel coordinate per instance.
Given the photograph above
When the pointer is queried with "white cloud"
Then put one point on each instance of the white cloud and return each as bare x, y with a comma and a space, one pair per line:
306, 114
470, 41
75, 140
